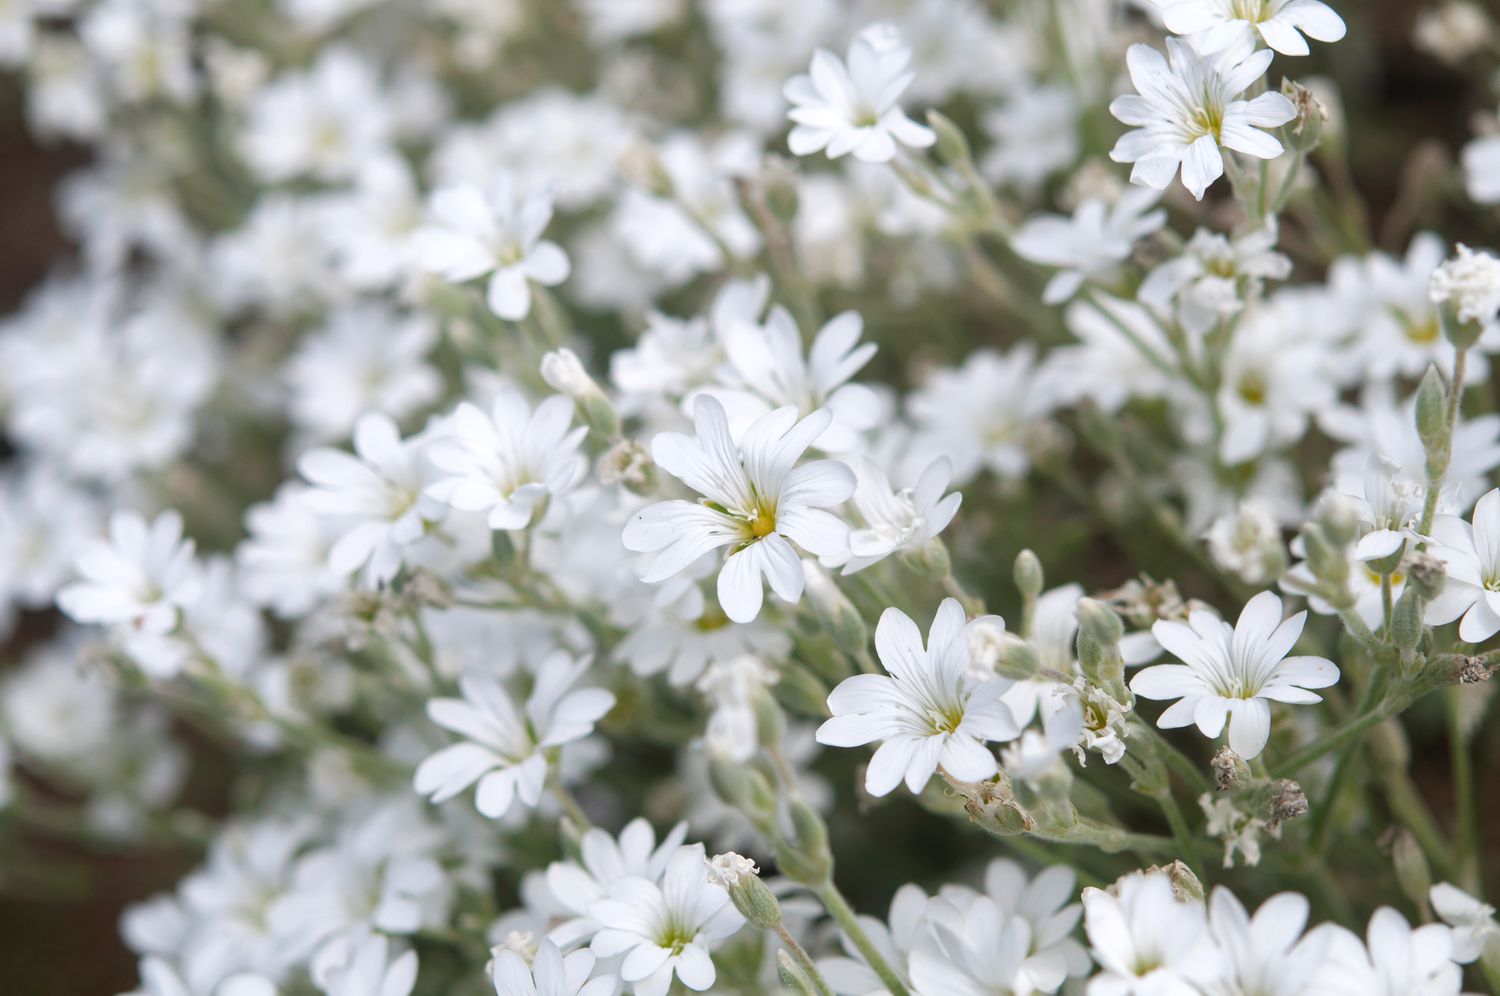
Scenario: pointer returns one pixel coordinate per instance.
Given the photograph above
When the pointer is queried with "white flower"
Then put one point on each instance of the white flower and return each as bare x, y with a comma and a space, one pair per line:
507, 463
766, 370
852, 976
1471, 553
1473, 922
927, 711
142, 577
908, 519
1273, 379
158, 978
495, 231
1247, 542
732, 688
1123, 353
665, 929
1266, 954
980, 951
1092, 242
548, 974
1233, 673
755, 501
374, 498
325, 122
505, 748
1215, 276
1186, 109
1146, 941
284, 561
1240, 831
730, 869
1217, 25
853, 108
1398, 961
602, 861
367, 972
1471, 282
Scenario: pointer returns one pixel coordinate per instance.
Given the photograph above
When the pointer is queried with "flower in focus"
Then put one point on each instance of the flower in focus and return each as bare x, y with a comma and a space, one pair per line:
505, 748
1233, 673
508, 462
851, 107
908, 519
495, 231
1186, 107
1471, 553
755, 501
665, 929
927, 710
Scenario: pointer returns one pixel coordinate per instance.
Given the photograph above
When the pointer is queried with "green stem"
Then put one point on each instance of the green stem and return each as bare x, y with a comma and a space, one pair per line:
1436, 472
1176, 759
838, 907
1180, 831
571, 807
1465, 814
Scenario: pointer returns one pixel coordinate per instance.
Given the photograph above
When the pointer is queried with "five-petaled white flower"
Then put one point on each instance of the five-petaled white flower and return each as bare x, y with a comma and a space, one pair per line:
497, 231
1147, 941
1234, 672
755, 501
374, 497
1219, 25
853, 108
1094, 240
506, 748
665, 929
370, 971
508, 462
928, 711
1186, 108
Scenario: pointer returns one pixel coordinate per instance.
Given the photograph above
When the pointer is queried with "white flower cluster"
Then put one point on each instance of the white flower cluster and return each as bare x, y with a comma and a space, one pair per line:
397, 463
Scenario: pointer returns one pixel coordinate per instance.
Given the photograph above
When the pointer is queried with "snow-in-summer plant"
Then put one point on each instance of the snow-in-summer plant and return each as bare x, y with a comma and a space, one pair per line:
396, 457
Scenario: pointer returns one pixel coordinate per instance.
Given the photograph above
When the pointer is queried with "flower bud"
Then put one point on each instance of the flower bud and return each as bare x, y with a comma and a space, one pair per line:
1406, 619
1432, 412
729, 780
1028, 574
739, 877
1425, 574
1412, 871
952, 145
931, 561
1100, 622
770, 720
1017, 659
834, 610
802, 692
804, 856
1287, 802
792, 975
564, 373
1326, 561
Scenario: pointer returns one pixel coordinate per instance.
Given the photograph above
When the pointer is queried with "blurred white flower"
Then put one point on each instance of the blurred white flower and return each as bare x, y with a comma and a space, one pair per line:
549, 973
142, 577
844, 107
1471, 283
1473, 922
370, 971
1218, 25
324, 122
497, 231
1398, 960
1090, 243
1147, 941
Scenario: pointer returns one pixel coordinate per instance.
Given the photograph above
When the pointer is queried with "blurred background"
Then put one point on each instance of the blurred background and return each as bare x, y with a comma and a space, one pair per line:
1408, 114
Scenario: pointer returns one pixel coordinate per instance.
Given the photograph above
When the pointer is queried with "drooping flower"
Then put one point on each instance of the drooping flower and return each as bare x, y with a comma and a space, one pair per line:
665, 929
851, 107
1186, 107
928, 710
1218, 25
508, 462
505, 747
495, 231
1232, 673
755, 500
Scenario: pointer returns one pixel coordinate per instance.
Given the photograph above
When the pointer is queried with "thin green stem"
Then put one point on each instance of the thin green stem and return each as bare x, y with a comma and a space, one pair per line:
571, 807
1465, 813
838, 907
1180, 831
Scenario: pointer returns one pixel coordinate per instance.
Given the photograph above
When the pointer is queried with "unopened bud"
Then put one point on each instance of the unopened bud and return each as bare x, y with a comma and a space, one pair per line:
1326, 561
792, 975
739, 877
729, 780
1100, 622
835, 611
1287, 802
564, 373
1028, 574
1412, 871
1230, 770
1432, 417
804, 856
1017, 659
931, 561
1406, 620
952, 145
802, 692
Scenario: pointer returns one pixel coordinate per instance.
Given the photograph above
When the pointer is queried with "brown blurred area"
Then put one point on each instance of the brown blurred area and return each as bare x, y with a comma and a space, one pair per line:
63, 940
